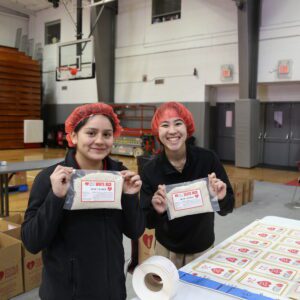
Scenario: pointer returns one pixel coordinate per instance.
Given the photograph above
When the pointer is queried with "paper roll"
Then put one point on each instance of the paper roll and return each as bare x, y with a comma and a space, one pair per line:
155, 279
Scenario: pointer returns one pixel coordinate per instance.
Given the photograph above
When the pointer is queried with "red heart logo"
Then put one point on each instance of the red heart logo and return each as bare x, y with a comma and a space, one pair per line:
231, 259
264, 283
217, 270
263, 234
1, 275
244, 250
109, 188
147, 239
285, 260
30, 265
293, 251
275, 271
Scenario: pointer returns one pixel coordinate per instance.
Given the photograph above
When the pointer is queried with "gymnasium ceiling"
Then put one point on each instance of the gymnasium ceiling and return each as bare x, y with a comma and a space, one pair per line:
27, 7
30, 7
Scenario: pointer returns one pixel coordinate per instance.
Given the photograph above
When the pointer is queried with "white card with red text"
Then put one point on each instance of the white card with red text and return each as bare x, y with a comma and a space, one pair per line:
264, 284
284, 249
263, 259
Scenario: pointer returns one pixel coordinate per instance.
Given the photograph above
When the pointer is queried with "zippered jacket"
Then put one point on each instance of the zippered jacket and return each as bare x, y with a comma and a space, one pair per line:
193, 233
82, 250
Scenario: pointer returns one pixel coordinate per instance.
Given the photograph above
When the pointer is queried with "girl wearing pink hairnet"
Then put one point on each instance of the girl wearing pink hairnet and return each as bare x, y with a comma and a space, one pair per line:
182, 239
82, 250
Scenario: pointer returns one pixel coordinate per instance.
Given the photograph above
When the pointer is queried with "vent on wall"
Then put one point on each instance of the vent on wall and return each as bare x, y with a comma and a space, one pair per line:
159, 81
33, 131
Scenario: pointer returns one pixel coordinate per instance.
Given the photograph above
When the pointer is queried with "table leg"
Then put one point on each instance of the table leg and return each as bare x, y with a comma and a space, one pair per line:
6, 191
1, 197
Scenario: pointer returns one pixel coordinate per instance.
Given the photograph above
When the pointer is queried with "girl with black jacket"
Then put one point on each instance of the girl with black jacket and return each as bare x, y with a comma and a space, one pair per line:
82, 250
185, 238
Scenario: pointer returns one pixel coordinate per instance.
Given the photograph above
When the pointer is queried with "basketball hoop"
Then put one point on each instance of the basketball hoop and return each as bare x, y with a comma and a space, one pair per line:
66, 73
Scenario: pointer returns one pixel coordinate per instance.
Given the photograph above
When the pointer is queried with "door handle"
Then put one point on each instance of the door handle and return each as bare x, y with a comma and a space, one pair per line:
260, 136
287, 136
291, 135
265, 135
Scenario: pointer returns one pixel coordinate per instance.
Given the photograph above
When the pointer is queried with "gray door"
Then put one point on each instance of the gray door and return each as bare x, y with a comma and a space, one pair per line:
276, 136
225, 131
260, 138
294, 138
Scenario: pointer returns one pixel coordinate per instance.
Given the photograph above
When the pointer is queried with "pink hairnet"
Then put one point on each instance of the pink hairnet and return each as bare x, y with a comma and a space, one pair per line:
170, 110
85, 111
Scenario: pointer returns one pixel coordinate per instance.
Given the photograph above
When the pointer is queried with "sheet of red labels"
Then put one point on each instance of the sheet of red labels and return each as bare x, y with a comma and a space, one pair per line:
263, 259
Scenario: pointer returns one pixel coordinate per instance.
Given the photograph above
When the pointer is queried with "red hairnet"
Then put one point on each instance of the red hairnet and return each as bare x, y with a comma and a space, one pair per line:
170, 110
85, 111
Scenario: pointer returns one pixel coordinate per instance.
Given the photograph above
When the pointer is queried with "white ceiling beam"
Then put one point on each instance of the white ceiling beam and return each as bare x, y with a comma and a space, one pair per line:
16, 7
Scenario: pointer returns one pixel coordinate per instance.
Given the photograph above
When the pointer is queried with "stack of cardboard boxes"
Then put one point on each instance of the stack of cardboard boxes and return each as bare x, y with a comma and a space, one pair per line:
20, 271
243, 190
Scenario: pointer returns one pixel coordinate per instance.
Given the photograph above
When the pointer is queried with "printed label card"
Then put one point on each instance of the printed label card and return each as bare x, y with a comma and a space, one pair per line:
270, 228
187, 199
253, 242
92, 190
274, 271
263, 235
287, 250
263, 284
291, 241
294, 292
213, 269
294, 233
245, 250
232, 259
282, 259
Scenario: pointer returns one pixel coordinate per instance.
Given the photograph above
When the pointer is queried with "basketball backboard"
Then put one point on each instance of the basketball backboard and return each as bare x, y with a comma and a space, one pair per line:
75, 60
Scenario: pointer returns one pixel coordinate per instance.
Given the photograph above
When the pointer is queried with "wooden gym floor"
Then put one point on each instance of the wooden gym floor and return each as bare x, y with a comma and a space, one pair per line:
18, 201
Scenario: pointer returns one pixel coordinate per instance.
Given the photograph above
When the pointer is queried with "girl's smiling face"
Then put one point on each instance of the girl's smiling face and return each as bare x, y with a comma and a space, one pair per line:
172, 133
94, 140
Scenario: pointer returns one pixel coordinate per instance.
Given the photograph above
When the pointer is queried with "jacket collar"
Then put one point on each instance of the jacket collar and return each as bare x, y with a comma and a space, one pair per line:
167, 166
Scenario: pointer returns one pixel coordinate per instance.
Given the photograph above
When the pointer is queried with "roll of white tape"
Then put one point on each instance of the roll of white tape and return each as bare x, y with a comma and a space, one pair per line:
155, 279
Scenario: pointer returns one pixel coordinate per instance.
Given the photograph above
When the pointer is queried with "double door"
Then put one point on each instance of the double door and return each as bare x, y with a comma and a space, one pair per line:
279, 138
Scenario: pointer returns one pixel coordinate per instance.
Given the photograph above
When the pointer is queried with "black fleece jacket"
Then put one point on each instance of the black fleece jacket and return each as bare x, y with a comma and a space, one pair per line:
189, 234
82, 250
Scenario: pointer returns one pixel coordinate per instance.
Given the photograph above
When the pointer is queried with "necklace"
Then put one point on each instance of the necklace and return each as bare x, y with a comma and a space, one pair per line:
178, 165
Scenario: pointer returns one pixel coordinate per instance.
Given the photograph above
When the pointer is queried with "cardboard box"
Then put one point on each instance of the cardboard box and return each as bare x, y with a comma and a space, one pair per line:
32, 264
17, 218
11, 281
238, 193
146, 244
19, 178
251, 190
6, 226
246, 183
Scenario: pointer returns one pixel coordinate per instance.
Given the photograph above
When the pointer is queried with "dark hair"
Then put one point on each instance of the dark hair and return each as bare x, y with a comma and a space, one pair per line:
84, 121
